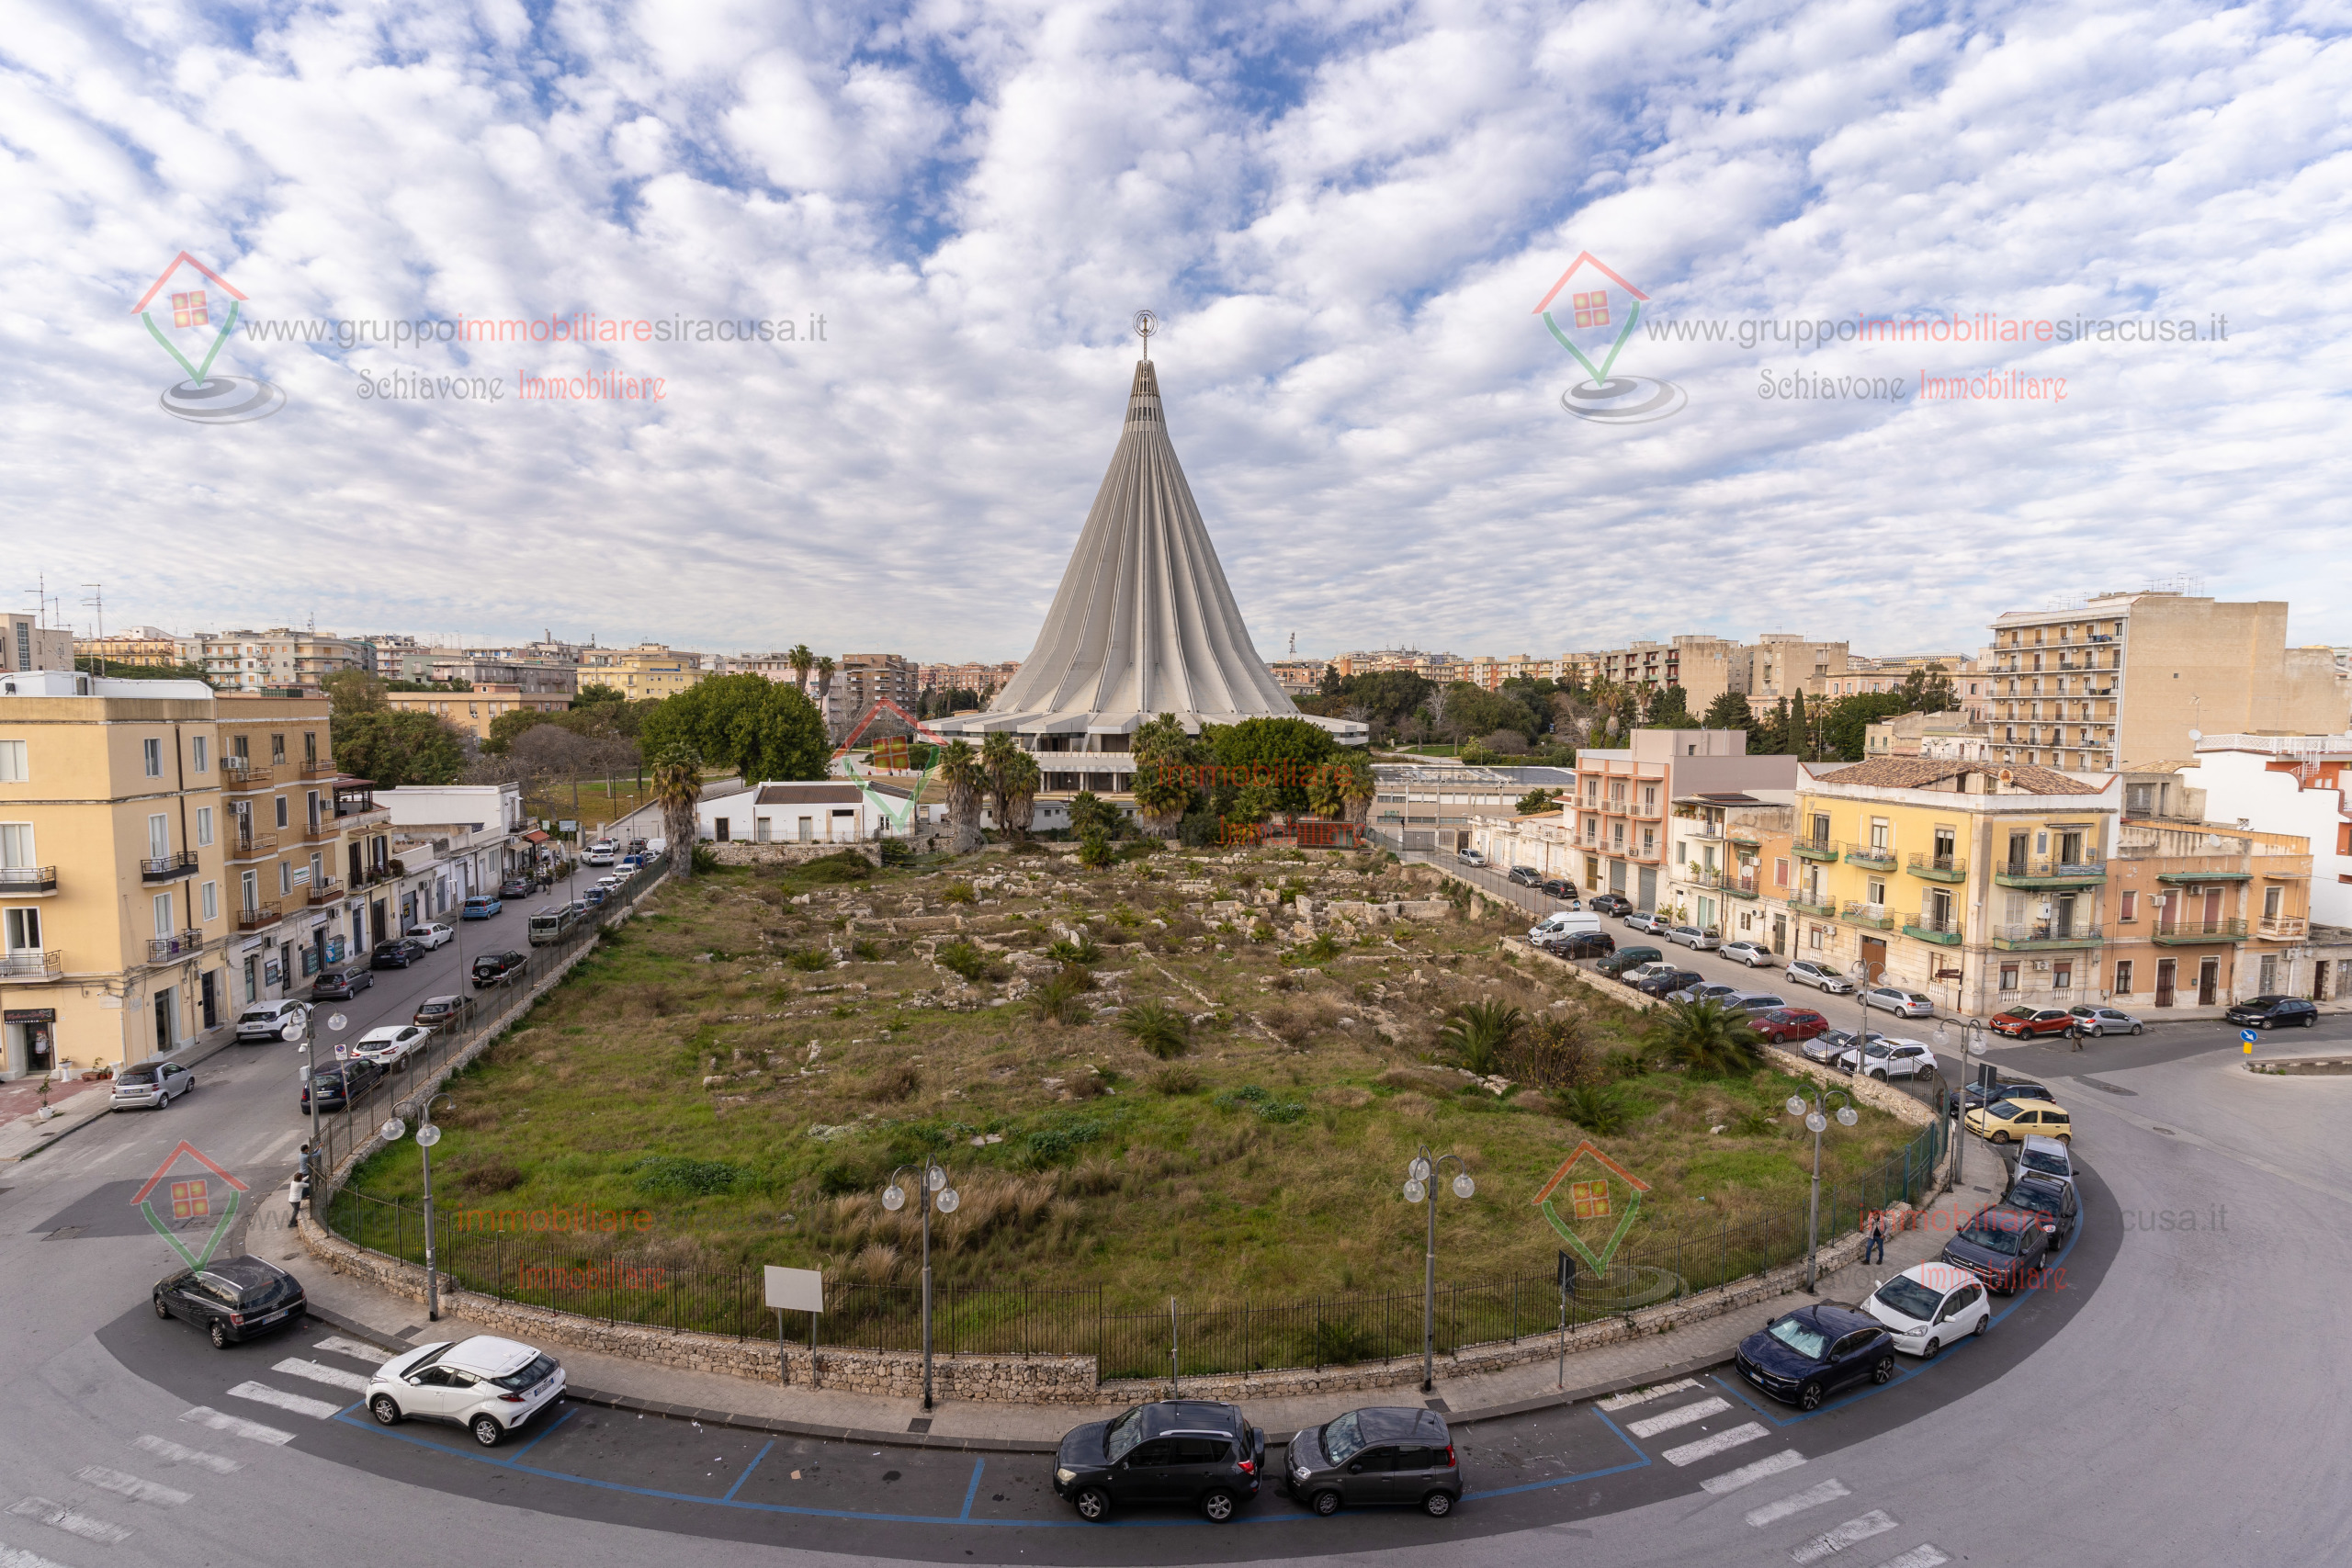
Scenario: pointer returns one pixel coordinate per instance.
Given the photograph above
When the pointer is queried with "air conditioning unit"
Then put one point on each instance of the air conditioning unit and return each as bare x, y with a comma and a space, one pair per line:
2041, 963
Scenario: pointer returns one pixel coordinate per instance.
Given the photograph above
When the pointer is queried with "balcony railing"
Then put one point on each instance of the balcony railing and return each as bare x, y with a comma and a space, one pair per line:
2050, 873
20, 881
1939, 868
257, 917
236, 779
163, 949
1875, 916
1803, 905
326, 890
2282, 926
1878, 857
253, 846
325, 828
23, 964
319, 768
167, 868
1744, 835
2046, 933
1817, 849
1943, 929
2174, 932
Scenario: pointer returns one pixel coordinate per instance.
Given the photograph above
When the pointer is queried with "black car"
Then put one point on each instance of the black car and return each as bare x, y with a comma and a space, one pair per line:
231, 1299
2275, 1012
1626, 958
1665, 980
1560, 888
1976, 1094
2054, 1201
513, 887
396, 954
1579, 944
490, 968
1807, 1355
1383, 1455
342, 1083
1188, 1451
1611, 904
2004, 1247
341, 985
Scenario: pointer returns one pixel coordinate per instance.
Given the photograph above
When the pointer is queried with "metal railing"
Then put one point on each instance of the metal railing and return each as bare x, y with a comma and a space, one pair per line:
2227, 929
162, 949
2054, 934
326, 890
1952, 868
1825, 848
1880, 855
165, 868
25, 964
255, 918
236, 776
23, 879
2051, 870
1877, 916
251, 846
1933, 927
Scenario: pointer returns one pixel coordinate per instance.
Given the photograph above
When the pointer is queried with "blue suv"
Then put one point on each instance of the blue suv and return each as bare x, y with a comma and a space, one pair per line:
1807, 1355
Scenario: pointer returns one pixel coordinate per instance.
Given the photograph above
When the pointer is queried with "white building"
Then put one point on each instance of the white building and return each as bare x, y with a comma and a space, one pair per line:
2286, 784
820, 812
466, 833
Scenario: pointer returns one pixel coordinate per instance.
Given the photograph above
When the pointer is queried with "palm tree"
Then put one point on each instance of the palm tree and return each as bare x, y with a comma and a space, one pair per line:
677, 789
1163, 788
1706, 1038
800, 658
1019, 779
997, 752
1479, 1033
825, 690
1357, 789
960, 770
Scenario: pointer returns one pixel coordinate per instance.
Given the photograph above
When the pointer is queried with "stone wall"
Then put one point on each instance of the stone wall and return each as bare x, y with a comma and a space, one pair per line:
745, 851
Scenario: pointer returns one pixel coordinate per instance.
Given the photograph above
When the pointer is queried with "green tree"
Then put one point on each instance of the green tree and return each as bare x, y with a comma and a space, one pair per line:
1928, 690
1479, 1034
1536, 800
115, 670
507, 726
1730, 711
677, 789
355, 691
1846, 727
1279, 755
1164, 782
1669, 708
960, 770
597, 694
1768, 731
746, 724
396, 748
1089, 813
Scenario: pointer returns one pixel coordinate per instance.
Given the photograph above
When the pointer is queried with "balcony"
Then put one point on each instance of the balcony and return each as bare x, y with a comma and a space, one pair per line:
243, 779
168, 868
1817, 849
2279, 927
1874, 915
27, 965
163, 949
259, 916
1743, 836
1652, 810
27, 881
326, 890
2228, 868
255, 846
2050, 873
1938, 868
323, 829
1876, 857
1941, 928
2038, 935
319, 768
2182, 933
1801, 903
1722, 880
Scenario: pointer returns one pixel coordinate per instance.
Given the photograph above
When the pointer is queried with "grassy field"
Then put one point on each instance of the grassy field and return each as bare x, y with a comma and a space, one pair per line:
750, 1057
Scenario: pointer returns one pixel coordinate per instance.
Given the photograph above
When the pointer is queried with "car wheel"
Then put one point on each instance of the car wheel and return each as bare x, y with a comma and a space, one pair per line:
1093, 1505
487, 1431
1218, 1507
1982, 1325
1885, 1371
2311, 1020
1809, 1397
386, 1413
1927, 1351
2002, 1136
2135, 1028
1437, 1505
220, 1335
1327, 1503
1880, 1076
161, 1310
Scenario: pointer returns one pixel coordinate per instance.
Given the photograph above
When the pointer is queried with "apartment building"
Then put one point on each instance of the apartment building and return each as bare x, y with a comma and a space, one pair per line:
26, 643
2286, 784
1946, 735
980, 678
1704, 667
1984, 886
276, 660
286, 816
2207, 915
1622, 795
650, 670
536, 677
1440, 669
137, 645
453, 840
1299, 677
861, 680
474, 711
2128, 679
1437, 805
1722, 848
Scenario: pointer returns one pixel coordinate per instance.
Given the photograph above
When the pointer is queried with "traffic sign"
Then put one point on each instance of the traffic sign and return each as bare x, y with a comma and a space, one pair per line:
2249, 1036
342, 1050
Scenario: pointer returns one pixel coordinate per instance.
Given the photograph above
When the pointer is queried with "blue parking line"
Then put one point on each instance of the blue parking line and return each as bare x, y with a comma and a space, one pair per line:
1641, 1462
545, 1433
974, 1489
764, 1453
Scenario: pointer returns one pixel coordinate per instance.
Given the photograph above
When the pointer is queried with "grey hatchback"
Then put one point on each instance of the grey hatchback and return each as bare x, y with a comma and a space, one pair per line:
1380, 1455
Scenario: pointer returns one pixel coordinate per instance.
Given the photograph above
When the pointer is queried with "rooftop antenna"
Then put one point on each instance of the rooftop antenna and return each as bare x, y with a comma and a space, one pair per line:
98, 602
1146, 323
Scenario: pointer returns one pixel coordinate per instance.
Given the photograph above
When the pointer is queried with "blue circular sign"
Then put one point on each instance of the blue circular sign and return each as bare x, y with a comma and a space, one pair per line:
2248, 1035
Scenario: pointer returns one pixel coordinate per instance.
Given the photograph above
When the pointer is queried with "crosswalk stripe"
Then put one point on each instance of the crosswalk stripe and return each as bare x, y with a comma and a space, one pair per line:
123, 1484
1838, 1538
1749, 1474
1921, 1556
174, 1453
1797, 1503
354, 1348
16, 1557
334, 1377
57, 1516
1705, 1447
262, 1394
235, 1426
1644, 1396
1651, 1426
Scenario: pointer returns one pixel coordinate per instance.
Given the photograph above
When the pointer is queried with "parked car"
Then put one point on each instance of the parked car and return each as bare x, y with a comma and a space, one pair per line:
1558, 888
1188, 1451
1657, 982
490, 968
1625, 958
488, 1385
2003, 1247
1702, 990
1648, 921
1835, 1044
1611, 904
2107, 1020
2275, 1012
341, 1084
1930, 1306
1755, 955
1380, 1456
1754, 1002
1885, 1059
1810, 971
1470, 857
1696, 938
1562, 921
514, 887
2051, 1159
283, 1019
231, 1299
2007, 1120
150, 1085
1783, 1024
396, 954
2025, 1024
431, 935
631, 864
1805, 1356
391, 1045
445, 1012
481, 906
1976, 1094
1578, 945
2054, 1201
1526, 876
594, 897
341, 985
1901, 1002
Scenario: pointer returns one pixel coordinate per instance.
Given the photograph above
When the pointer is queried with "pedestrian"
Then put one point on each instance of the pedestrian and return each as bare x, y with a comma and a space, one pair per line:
1874, 1249
301, 1186
2074, 1034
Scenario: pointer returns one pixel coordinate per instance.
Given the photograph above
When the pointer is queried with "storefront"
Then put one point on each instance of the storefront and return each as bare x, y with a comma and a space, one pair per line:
31, 1040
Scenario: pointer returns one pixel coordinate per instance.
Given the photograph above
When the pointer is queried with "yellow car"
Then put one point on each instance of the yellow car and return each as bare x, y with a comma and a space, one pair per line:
2007, 1120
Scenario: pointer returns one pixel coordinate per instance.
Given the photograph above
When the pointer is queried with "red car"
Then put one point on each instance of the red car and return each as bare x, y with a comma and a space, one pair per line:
2026, 1022
1781, 1025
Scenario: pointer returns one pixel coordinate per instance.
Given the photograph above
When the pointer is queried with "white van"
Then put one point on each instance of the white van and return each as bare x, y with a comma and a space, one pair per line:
1560, 922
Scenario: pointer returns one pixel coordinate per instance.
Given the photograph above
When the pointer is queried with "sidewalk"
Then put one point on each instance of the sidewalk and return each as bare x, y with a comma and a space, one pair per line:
713, 1399
76, 1108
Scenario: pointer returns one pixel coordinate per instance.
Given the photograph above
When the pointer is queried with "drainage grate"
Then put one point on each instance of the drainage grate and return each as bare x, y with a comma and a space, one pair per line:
919, 1424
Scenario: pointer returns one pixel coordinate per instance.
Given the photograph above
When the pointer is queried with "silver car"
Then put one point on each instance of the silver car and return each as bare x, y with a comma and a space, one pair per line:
1694, 938
1898, 1001
1755, 955
150, 1085
1807, 972
2107, 1020
273, 1020
1884, 1059
1714, 992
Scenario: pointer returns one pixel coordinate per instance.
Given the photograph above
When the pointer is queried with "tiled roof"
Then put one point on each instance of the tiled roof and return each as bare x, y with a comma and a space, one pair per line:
1918, 772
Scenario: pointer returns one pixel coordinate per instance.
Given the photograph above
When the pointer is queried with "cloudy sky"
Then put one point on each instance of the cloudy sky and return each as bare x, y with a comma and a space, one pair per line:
1346, 216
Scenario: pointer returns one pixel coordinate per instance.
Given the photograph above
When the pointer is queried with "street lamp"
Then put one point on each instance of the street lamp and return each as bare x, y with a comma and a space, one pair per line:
894, 1197
1419, 1176
1860, 973
427, 1134
1817, 1122
1973, 1031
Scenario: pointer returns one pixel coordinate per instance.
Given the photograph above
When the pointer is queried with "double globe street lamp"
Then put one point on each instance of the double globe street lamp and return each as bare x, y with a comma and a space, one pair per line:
1816, 1120
427, 1134
1419, 1178
931, 1179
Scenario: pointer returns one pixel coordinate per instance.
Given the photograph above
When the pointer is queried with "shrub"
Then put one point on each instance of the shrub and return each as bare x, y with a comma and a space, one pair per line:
867, 951
1479, 1033
895, 1083
1083, 950
1095, 851
1251, 1098
1175, 1080
705, 860
846, 866
958, 893
1322, 950
1552, 1055
1755, 1122
1160, 1029
808, 960
1054, 1146
1706, 1039
675, 1176
1059, 998
897, 853
1596, 1110
962, 958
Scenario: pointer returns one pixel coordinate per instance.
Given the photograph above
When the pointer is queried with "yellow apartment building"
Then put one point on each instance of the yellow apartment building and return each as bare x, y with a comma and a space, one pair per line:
473, 711
648, 669
2205, 915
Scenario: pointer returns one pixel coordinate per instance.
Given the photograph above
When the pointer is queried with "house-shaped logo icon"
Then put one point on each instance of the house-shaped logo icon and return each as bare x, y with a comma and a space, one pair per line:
1603, 309
201, 308
190, 1206
1598, 1191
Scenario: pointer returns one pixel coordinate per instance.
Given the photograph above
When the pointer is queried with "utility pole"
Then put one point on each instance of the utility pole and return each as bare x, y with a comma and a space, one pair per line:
99, 601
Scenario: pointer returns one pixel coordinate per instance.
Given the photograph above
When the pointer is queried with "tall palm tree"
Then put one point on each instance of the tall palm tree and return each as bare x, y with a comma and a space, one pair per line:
1357, 789
997, 754
960, 770
1020, 780
677, 789
801, 660
825, 690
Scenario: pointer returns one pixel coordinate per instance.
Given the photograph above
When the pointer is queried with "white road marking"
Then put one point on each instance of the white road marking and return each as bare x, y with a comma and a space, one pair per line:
1654, 1425
1706, 1448
354, 1348
235, 1426
276, 1147
123, 1484
1797, 1503
1644, 1396
1918, 1557
262, 1394
1749, 1474
334, 1377
1838, 1538
59, 1517
11, 1557
174, 1453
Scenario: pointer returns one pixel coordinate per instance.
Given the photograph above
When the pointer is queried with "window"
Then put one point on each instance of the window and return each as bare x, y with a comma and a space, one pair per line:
159, 836
210, 894
199, 754
153, 753
2062, 976
277, 750
2008, 976
1820, 827
2269, 973
203, 826
163, 926
17, 844
1881, 832
2127, 908
1780, 871
23, 930
1877, 890
250, 885
2123, 977
2270, 900
284, 878
1813, 936
281, 811
12, 763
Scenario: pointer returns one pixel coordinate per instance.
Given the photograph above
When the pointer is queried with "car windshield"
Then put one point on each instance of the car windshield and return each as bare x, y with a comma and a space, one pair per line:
2002, 1108
1343, 1439
1123, 1433
138, 1075
2034, 1196
541, 1367
1797, 1336
2007, 1237
1910, 1297
2038, 1160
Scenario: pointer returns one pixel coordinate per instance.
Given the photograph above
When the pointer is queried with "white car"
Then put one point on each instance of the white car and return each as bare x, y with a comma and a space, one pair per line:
1930, 1306
1806, 972
488, 1385
430, 936
1898, 1001
1641, 972
1890, 1059
1693, 937
273, 1020
389, 1047
150, 1085
1755, 955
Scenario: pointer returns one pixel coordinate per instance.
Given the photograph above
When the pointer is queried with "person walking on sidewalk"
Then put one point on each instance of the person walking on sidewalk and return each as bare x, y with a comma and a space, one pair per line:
1874, 1249
301, 1186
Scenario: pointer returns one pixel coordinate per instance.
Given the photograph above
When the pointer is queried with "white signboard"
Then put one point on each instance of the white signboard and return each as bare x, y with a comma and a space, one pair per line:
795, 1290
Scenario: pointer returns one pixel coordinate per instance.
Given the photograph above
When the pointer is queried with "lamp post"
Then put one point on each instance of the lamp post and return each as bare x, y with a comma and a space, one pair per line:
1956, 1112
1418, 1178
935, 1189
1817, 1121
1860, 973
427, 1134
